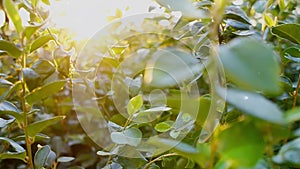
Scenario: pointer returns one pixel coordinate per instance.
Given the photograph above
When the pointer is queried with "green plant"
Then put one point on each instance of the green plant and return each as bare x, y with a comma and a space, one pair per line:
159, 120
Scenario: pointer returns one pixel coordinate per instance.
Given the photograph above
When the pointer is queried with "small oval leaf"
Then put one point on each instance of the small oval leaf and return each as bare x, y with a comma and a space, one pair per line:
41, 156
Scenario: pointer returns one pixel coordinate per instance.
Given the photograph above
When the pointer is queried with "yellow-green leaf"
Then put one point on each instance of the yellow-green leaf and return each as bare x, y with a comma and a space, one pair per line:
134, 104
268, 20
45, 91
13, 14
41, 41
10, 48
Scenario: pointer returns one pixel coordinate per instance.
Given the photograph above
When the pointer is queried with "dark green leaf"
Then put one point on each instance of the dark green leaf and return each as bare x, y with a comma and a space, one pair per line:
288, 31
44, 91
41, 156
10, 48
34, 128
253, 104
41, 41
13, 14
244, 61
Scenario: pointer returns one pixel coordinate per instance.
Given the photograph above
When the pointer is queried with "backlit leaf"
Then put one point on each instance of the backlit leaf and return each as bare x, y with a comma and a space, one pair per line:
45, 91
134, 104
41, 41
10, 48
13, 14
244, 61
253, 104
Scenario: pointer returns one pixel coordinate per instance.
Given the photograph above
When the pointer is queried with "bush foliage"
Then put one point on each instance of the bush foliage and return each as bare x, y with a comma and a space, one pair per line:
252, 110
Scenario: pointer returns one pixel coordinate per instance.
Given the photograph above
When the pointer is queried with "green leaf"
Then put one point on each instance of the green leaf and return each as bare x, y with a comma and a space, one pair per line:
237, 14
181, 148
34, 128
268, 20
244, 61
242, 143
172, 67
162, 127
186, 7
203, 111
13, 89
34, 3
43, 68
10, 48
47, 2
45, 91
292, 115
253, 104
32, 79
289, 154
281, 5
134, 104
19, 151
5, 83
145, 116
7, 108
131, 136
41, 156
65, 159
13, 14
288, 31
31, 29
41, 41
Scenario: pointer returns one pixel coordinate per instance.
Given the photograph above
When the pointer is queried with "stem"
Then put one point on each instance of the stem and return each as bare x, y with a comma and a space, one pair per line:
159, 158
127, 122
296, 92
269, 148
25, 113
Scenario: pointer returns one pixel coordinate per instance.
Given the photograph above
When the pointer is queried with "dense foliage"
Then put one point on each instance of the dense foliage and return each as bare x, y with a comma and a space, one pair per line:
216, 86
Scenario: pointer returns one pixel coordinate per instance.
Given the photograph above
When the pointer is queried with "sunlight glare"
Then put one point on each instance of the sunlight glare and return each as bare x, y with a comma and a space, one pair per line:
84, 18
